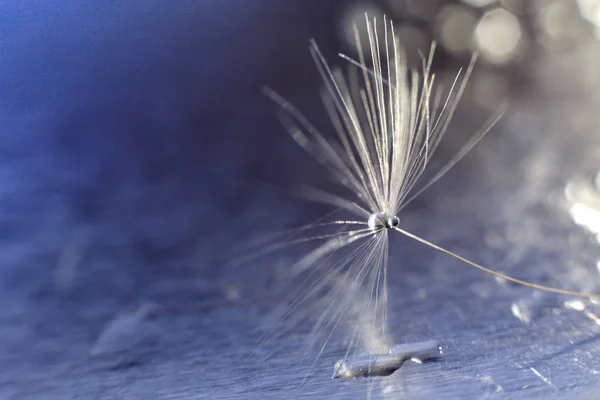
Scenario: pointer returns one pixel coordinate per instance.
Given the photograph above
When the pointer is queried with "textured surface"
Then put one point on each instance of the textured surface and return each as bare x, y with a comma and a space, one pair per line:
136, 150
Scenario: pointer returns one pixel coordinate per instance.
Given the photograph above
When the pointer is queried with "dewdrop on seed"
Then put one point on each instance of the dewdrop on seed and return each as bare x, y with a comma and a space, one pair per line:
388, 125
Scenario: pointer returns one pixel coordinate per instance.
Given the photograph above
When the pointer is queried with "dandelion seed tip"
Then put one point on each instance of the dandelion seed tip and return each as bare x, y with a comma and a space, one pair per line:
379, 221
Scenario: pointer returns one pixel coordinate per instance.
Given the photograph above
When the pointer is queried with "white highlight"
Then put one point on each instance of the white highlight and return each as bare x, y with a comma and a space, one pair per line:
587, 217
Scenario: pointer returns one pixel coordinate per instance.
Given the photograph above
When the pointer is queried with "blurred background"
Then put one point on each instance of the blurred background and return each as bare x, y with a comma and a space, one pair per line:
137, 152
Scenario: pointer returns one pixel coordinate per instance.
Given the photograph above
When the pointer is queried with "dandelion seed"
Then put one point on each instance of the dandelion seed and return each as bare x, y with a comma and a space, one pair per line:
388, 127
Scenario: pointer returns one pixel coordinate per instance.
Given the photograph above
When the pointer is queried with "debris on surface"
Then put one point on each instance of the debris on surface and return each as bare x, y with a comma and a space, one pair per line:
125, 337
386, 364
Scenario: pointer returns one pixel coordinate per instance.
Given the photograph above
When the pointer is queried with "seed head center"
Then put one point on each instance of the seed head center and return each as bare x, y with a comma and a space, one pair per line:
379, 221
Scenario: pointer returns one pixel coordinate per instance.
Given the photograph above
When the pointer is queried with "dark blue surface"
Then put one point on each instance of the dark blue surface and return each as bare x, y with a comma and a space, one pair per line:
137, 152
